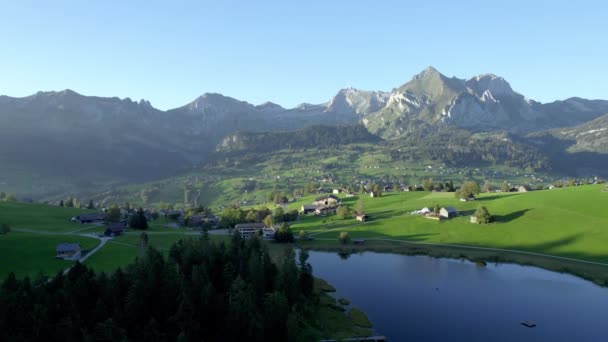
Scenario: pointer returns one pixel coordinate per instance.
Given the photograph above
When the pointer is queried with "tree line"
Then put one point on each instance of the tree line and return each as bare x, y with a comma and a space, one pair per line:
203, 291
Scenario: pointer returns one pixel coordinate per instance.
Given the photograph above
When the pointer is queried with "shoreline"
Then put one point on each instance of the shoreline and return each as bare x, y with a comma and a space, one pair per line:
590, 271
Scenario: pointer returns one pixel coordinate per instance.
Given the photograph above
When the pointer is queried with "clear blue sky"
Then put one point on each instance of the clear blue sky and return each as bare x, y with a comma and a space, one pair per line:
289, 52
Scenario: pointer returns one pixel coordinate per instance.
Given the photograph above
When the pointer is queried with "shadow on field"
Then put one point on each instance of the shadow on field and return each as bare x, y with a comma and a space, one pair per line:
493, 197
548, 246
384, 214
511, 216
467, 212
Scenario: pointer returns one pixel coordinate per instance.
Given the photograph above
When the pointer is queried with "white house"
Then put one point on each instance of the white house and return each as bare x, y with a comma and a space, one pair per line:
448, 212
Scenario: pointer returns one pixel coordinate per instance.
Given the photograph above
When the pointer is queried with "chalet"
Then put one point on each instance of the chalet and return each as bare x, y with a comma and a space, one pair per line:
89, 218
362, 218
325, 210
309, 209
467, 199
521, 188
448, 212
201, 219
326, 200
247, 230
68, 251
115, 229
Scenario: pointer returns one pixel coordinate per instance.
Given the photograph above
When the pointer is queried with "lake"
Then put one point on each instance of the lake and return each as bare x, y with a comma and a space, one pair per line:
419, 298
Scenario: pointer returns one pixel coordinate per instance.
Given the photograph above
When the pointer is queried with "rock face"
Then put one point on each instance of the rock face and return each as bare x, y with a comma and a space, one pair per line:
483, 103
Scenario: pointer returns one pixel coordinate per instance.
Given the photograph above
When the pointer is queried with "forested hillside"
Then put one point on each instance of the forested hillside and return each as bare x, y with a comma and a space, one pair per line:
311, 137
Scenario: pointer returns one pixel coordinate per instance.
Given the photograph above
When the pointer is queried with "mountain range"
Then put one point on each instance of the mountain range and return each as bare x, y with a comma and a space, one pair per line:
65, 133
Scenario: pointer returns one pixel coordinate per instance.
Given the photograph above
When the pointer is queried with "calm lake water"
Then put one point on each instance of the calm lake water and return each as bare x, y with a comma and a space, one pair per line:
419, 298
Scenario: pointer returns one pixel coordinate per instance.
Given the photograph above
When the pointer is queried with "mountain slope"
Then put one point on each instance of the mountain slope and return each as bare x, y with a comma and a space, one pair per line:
483, 103
589, 137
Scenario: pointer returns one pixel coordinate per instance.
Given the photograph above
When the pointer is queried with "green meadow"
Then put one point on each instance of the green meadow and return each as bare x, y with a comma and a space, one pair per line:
41, 217
29, 254
568, 222
124, 249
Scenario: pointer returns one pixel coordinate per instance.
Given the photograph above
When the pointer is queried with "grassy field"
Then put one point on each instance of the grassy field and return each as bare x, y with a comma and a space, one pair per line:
124, 249
29, 254
40, 216
568, 222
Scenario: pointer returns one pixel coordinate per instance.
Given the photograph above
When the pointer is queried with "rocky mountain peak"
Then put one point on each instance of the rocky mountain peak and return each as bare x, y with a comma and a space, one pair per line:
354, 101
496, 85
269, 106
219, 102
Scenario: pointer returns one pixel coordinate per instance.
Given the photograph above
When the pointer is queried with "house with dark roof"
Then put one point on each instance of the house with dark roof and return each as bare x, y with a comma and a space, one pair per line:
68, 251
308, 209
201, 219
324, 210
326, 200
115, 229
248, 230
362, 218
448, 212
89, 218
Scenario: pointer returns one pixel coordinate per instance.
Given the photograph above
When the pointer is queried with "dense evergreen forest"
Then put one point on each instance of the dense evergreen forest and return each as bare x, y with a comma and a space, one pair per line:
310, 137
203, 291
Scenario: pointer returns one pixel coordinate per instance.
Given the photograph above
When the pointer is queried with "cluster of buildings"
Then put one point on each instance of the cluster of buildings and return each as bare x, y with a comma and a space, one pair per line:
447, 212
248, 230
322, 206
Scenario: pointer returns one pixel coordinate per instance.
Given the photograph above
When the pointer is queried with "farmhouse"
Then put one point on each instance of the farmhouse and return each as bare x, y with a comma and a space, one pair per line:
467, 199
248, 230
326, 200
308, 209
325, 210
448, 212
68, 251
201, 219
473, 219
337, 191
362, 218
89, 218
114, 229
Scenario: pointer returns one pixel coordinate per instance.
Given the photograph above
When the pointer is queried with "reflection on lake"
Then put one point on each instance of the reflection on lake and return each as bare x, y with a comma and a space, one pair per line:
419, 298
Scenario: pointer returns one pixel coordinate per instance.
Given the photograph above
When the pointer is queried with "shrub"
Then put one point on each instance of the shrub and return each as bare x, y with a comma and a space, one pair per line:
342, 212
284, 234
483, 215
344, 238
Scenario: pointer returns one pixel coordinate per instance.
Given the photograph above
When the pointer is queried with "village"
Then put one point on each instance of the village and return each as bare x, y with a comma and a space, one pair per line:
264, 223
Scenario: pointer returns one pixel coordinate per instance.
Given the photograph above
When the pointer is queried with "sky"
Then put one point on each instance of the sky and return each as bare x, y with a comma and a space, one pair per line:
289, 52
